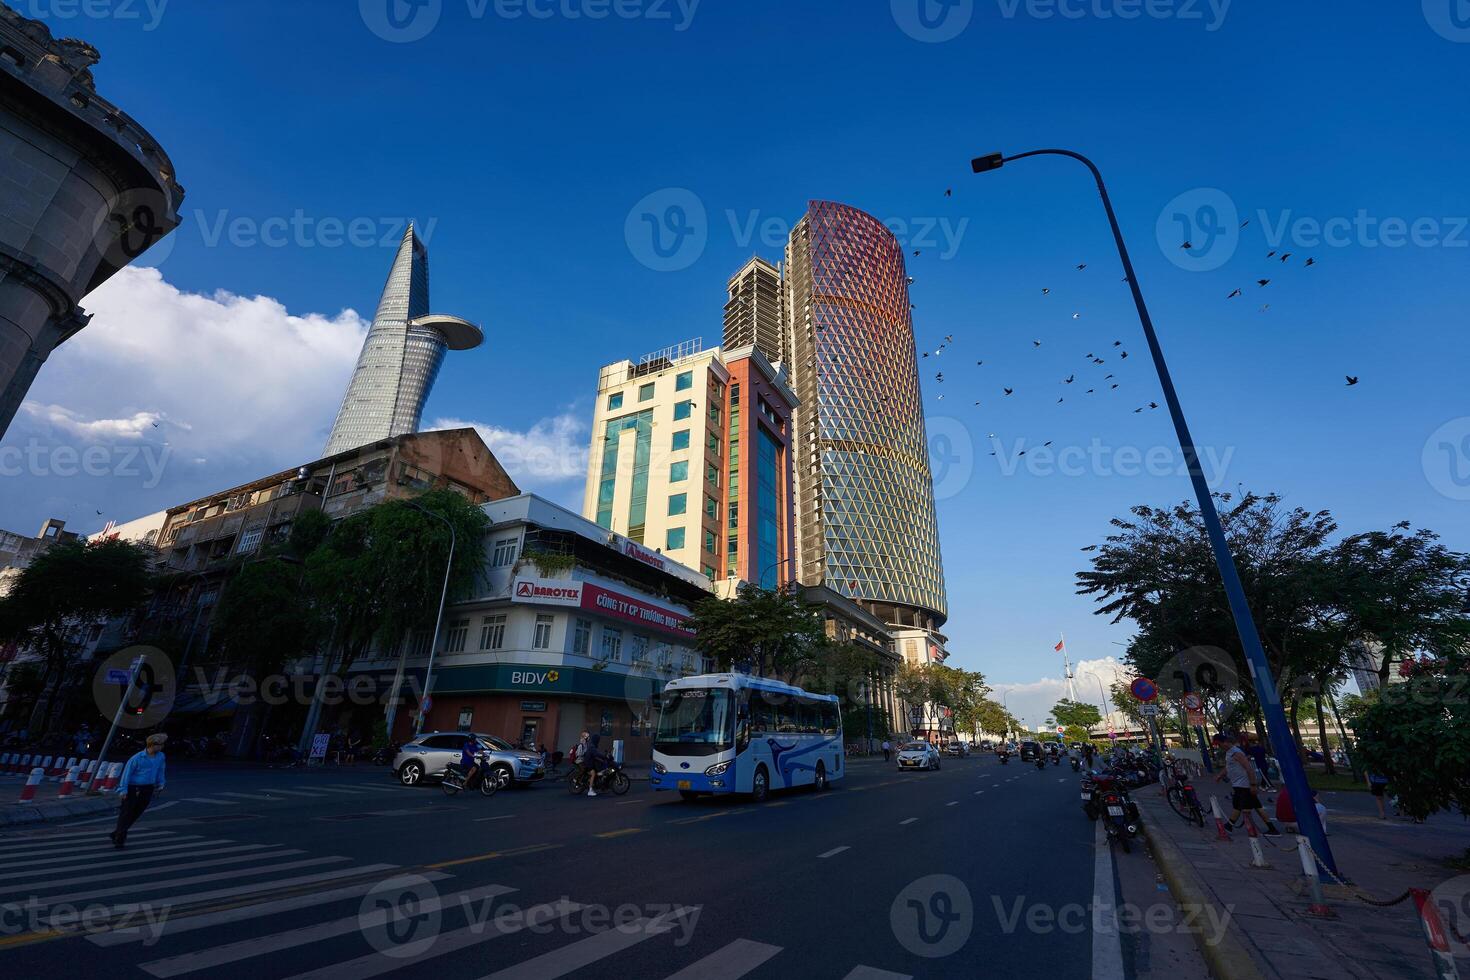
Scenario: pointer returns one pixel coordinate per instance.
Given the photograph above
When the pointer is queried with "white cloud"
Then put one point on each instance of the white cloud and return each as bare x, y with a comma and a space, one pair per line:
551, 452
221, 387
1034, 699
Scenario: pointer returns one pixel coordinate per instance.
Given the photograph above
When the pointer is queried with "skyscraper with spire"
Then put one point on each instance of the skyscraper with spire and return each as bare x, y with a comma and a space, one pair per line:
400, 357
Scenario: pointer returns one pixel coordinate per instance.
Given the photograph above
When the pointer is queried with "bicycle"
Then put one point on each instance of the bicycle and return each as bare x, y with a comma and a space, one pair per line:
1181, 796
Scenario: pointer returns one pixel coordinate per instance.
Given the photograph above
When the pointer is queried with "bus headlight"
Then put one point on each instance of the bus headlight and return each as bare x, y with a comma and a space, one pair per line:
718, 770
658, 767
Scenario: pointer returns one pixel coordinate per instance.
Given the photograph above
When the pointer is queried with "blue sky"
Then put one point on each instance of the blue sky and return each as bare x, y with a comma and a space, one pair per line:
522, 145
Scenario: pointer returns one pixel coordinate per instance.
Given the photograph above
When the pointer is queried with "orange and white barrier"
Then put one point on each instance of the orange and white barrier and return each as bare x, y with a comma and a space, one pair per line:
84, 775
114, 775
1220, 832
63, 766
67, 783
28, 792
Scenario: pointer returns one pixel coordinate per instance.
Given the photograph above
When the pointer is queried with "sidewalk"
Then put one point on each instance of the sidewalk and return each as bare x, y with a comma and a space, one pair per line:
1271, 934
43, 811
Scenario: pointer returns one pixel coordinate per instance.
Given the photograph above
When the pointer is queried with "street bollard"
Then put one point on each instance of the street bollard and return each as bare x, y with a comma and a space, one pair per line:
68, 782
44, 761
84, 777
1436, 935
1258, 856
1318, 906
63, 766
114, 776
108, 779
28, 792
1220, 832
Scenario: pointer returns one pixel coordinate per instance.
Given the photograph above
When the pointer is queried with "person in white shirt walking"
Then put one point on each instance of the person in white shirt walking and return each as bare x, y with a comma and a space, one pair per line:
1244, 781
142, 779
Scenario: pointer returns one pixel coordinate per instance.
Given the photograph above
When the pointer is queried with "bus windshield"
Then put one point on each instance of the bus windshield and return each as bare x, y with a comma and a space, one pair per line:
695, 721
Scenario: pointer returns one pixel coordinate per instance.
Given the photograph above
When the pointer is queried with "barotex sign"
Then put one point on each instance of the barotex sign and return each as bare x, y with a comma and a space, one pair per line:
585, 595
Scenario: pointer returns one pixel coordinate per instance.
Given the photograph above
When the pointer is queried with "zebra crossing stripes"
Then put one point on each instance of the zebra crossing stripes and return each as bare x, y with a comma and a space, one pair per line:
137, 886
585, 952
150, 860
729, 962
89, 876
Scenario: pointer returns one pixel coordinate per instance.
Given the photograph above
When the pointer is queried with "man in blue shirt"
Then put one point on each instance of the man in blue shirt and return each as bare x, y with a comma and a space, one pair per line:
142, 777
468, 761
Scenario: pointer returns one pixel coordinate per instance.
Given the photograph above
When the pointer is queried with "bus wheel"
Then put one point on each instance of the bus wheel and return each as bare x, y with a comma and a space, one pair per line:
689, 795
821, 778
760, 785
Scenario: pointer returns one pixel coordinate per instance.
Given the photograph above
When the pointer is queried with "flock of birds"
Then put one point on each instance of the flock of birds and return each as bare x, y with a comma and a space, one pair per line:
1110, 381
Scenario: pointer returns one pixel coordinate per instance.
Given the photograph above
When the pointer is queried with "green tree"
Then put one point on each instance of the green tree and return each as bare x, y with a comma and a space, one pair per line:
1417, 734
1079, 713
775, 631
67, 589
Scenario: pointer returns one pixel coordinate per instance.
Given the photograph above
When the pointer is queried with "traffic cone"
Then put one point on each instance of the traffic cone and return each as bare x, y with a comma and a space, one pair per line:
1220, 832
28, 791
67, 782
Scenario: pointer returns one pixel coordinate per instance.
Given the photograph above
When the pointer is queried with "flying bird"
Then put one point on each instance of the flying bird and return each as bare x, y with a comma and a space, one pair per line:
1264, 308
1187, 245
1009, 391
1311, 262
1245, 222
1097, 360
949, 192
1045, 291
1047, 443
1271, 254
1105, 377
1081, 266
1035, 343
1263, 282
1090, 390
1070, 380
1233, 295
1153, 404
916, 253
1114, 386
1351, 380
1117, 343
1137, 410
1059, 401
1076, 316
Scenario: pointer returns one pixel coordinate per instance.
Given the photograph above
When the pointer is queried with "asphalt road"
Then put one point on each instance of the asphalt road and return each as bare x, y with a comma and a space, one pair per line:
978, 869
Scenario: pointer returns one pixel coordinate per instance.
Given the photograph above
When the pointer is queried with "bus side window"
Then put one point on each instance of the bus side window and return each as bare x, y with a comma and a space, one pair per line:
829, 718
811, 718
762, 717
788, 716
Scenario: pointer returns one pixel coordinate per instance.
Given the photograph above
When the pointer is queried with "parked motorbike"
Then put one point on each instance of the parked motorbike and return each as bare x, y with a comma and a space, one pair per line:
385, 755
1104, 795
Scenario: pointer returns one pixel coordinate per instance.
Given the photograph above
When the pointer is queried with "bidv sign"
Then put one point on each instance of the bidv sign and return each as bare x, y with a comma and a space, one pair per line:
534, 678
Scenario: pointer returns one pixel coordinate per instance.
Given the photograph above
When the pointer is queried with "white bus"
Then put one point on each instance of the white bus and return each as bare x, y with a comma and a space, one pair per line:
733, 733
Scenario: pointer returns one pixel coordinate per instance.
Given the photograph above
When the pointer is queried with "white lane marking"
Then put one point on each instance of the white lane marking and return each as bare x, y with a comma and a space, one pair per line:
248, 796
205, 799
905, 823
178, 901
106, 851
329, 789
91, 840
10, 843
728, 962
1107, 946
871, 973
208, 850
136, 934
135, 872
296, 792
204, 959
953, 803
834, 851
979, 791
195, 880
363, 788
585, 952
503, 816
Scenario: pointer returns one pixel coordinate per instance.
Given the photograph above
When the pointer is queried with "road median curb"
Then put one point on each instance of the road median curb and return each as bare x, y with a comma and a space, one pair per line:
17, 815
1228, 959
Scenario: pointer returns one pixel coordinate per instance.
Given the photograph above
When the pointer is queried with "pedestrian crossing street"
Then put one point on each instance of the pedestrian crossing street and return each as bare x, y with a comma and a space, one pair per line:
181, 904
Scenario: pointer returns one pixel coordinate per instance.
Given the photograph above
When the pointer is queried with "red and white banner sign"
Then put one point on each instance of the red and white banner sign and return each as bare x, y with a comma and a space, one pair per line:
652, 558
547, 592
597, 599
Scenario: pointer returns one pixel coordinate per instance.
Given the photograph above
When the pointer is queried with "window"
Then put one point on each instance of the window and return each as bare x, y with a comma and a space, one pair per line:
715, 414
466, 719
709, 542
645, 392
612, 644
712, 473
711, 508
683, 409
492, 632
714, 443
675, 539
686, 663
615, 401
458, 634
504, 553
680, 440
639, 647
542, 639
679, 472
678, 504
684, 380
582, 637
707, 665
709, 573
250, 540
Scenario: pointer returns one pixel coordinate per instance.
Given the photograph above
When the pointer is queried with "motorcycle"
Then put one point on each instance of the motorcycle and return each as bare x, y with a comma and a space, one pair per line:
1104, 795
385, 755
1041, 762
1005, 757
1076, 765
609, 777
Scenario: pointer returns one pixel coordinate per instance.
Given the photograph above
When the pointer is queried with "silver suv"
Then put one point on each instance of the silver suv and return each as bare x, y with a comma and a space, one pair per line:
430, 754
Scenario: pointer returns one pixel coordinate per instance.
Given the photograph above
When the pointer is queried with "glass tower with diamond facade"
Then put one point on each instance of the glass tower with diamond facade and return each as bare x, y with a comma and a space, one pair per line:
400, 357
865, 517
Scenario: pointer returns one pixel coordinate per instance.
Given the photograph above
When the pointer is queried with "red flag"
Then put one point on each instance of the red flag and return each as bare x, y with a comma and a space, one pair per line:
1058, 647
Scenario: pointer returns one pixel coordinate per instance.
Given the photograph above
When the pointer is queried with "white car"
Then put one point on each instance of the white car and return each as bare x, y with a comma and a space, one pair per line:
918, 755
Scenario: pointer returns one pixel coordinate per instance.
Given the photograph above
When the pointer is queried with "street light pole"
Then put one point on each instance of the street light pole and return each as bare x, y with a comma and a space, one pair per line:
1292, 772
418, 725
